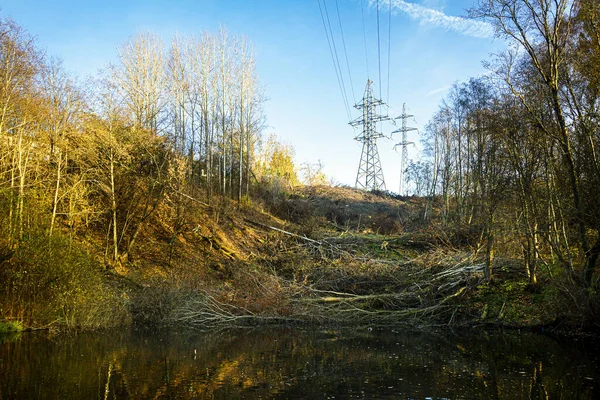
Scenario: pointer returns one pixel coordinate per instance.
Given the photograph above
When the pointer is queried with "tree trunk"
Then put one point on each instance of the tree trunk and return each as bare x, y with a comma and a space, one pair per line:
489, 254
591, 257
56, 190
114, 207
533, 257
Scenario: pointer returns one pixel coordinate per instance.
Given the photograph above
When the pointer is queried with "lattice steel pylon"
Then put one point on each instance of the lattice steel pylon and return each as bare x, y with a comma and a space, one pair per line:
370, 174
404, 143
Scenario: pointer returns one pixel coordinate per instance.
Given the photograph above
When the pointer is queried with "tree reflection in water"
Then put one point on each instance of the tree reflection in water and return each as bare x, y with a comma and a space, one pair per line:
294, 363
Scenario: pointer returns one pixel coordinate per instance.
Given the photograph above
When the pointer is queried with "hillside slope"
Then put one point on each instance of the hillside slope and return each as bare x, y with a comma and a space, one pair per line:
317, 255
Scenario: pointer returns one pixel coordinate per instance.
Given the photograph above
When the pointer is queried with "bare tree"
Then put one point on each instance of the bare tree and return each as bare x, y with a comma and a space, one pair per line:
140, 79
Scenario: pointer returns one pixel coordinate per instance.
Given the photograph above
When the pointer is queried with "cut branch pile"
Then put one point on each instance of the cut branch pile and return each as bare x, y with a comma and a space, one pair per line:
421, 298
202, 310
362, 289
341, 283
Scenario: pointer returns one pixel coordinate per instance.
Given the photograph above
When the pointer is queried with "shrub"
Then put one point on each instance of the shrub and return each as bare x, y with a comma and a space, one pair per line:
386, 224
54, 281
10, 327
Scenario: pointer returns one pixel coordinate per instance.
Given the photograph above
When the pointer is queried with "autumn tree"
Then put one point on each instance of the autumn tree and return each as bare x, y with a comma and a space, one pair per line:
543, 31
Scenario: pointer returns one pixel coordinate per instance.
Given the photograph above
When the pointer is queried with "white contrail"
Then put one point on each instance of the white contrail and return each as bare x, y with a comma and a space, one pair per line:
438, 90
437, 18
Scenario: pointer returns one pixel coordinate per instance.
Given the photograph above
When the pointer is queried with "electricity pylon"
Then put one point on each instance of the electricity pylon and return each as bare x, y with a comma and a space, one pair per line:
370, 174
404, 143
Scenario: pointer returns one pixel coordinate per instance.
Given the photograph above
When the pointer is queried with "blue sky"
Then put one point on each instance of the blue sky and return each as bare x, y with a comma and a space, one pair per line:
431, 48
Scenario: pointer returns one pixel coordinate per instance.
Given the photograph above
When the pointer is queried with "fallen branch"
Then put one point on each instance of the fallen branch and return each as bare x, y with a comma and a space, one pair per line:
193, 199
354, 298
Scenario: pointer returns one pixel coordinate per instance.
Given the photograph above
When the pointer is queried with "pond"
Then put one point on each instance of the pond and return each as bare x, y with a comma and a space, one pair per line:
294, 363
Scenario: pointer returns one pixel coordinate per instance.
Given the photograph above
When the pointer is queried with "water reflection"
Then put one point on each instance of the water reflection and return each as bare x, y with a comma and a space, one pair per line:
293, 363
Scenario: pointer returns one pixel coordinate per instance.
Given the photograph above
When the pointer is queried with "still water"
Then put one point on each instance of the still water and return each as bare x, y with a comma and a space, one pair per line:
293, 363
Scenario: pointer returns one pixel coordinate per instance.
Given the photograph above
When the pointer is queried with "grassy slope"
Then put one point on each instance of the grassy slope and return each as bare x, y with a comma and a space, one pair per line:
320, 254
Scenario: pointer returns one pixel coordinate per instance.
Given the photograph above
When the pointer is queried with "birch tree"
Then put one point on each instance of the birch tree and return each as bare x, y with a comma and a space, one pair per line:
140, 78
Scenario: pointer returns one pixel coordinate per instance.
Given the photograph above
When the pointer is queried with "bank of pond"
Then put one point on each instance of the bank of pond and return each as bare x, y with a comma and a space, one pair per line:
299, 363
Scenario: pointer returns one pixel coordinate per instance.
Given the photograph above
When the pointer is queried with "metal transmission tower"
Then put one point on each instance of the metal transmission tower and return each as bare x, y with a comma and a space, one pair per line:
370, 175
404, 143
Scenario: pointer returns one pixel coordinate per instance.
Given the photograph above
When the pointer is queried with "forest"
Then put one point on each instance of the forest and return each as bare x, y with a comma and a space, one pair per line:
151, 195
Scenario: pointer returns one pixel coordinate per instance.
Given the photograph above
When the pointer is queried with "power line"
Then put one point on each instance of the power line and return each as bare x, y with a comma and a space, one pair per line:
333, 59
389, 49
345, 52
362, 11
337, 59
378, 49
